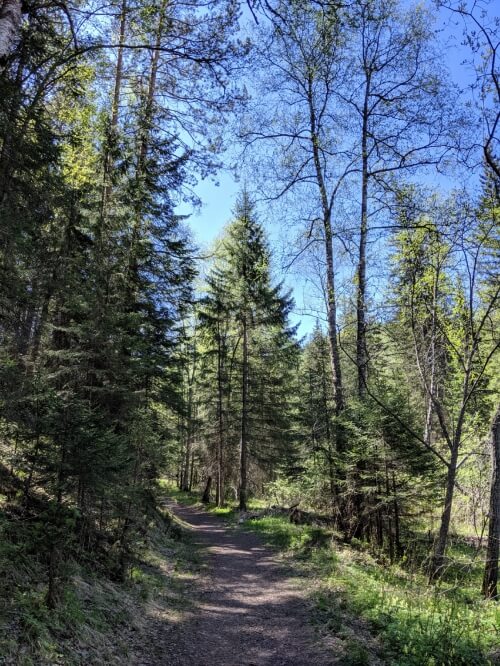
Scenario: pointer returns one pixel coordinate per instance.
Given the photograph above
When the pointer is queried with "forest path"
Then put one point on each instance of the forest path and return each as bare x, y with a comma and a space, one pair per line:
248, 612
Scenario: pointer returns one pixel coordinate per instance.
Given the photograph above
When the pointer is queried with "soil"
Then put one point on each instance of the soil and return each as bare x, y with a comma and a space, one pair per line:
247, 608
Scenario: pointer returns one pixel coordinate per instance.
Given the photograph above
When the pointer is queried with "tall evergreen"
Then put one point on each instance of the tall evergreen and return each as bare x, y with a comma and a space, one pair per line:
253, 347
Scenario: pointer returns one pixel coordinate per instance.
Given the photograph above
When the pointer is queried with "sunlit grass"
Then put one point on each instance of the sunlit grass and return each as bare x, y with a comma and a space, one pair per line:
446, 625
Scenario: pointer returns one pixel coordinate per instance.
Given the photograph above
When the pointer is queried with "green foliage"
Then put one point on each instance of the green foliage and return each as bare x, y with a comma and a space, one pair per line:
419, 625
96, 273
244, 339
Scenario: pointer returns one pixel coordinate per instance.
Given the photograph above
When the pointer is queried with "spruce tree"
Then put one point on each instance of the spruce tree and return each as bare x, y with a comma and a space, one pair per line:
247, 318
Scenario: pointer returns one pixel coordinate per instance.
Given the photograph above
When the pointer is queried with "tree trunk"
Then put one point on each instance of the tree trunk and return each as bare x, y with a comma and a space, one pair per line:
395, 505
219, 498
57, 273
440, 547
455, 443
490, 579
331, 303
10, 23
9, 142
432, 352
153, 74
361, 350
244, 423
206, 493
191, 474
144, 141
332, 319
187, 458
189, 437
191, 416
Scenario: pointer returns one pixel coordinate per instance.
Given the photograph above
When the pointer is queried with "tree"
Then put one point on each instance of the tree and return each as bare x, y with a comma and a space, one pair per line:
449, 325
317, 409
490, 579
247, 318
215, 319
397, 92
301, 55
96, 268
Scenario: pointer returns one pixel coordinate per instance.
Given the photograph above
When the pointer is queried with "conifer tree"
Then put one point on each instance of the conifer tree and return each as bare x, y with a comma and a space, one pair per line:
247, 317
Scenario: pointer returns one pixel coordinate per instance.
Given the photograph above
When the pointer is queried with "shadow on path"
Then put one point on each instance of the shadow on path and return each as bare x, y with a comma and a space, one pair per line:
249, 612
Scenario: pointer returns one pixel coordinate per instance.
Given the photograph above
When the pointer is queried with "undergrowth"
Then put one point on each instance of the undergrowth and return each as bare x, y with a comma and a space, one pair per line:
446, 625
96, 621
417, 625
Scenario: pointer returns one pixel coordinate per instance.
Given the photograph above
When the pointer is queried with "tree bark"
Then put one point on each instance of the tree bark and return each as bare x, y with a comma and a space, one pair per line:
191, 473
490, 580
10, 23
437, 562
332, 319
206, 493
144, 142
243, 490
331, 302
189, 432
395, 505
361, 349
8, 133
153, 75
219, 495
187, 458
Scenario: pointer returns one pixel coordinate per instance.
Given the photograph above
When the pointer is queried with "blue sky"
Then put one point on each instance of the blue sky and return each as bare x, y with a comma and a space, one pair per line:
218, 199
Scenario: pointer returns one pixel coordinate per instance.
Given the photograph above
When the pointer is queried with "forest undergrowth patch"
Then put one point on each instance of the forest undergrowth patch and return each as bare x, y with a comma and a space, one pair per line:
97, 620
445, 625
373, 610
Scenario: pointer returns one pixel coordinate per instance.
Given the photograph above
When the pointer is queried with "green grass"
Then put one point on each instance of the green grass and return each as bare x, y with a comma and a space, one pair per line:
446, 625
95, 619
437, 626
83, 628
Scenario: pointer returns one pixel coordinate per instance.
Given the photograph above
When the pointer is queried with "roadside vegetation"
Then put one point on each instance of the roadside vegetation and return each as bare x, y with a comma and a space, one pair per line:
97, 620
376, 610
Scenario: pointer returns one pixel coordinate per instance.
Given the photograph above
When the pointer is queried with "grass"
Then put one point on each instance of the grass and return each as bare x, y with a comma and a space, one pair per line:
96, 620
413, 624
446, 625
90, 612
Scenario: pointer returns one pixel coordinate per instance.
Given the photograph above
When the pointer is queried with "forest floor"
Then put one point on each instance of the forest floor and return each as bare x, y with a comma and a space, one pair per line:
248, 608
205, 589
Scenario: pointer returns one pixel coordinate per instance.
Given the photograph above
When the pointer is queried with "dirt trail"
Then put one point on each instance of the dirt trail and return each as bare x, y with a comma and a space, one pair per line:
249, 611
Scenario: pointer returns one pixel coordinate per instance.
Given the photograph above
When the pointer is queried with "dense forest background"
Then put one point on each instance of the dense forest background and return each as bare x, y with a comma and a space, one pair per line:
129, 357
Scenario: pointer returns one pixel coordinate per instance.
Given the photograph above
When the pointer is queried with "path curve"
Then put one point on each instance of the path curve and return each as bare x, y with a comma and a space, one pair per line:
249, 612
